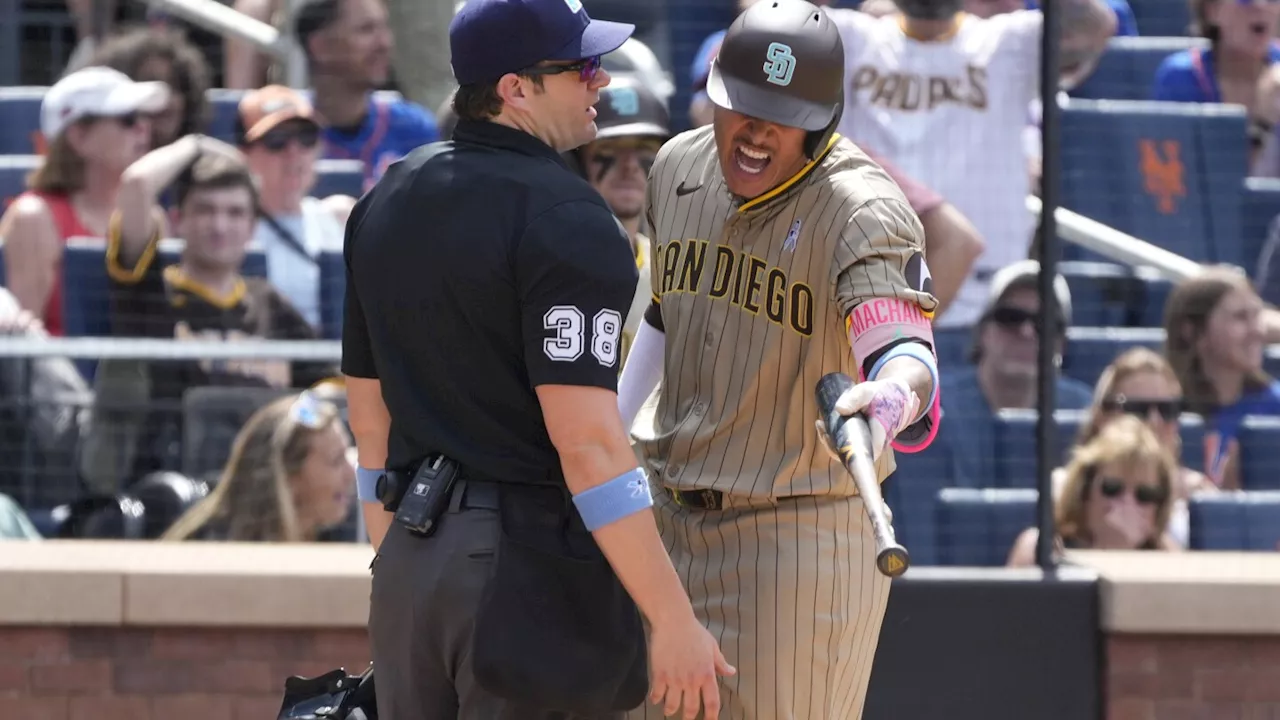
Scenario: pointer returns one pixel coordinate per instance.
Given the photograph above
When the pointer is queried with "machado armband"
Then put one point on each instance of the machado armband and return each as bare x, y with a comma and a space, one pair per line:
611, 501
881, 322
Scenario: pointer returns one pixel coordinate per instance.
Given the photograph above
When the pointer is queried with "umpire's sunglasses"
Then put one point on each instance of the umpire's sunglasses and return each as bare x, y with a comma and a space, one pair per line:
586, 69
1169, 410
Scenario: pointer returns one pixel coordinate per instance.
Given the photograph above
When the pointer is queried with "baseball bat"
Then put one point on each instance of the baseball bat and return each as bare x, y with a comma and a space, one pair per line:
852, 438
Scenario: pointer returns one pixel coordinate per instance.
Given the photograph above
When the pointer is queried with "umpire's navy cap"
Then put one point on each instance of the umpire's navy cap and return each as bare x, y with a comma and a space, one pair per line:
490, 38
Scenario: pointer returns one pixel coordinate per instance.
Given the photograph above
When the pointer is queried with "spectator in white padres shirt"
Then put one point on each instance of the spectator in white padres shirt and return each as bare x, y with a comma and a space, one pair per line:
944, 96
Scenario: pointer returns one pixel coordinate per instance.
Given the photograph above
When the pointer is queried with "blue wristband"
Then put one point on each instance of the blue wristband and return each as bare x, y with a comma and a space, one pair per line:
367, 483
611, 501
919, 352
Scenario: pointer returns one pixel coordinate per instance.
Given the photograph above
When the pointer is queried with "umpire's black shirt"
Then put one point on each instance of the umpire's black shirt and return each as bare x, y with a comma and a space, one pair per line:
478, 269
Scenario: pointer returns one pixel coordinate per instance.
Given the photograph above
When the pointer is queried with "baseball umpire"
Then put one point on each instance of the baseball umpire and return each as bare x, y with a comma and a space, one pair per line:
487, 285
633, 123
781, 253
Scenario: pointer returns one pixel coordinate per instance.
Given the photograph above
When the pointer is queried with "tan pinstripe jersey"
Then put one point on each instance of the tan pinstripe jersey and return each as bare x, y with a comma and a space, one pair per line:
754, 298
641, 300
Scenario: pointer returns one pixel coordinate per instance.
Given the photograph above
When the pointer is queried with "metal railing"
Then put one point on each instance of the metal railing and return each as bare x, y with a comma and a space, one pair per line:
1121, 247
226, 21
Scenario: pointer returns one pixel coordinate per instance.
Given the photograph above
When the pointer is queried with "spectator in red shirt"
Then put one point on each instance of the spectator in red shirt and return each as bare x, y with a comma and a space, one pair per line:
95, 122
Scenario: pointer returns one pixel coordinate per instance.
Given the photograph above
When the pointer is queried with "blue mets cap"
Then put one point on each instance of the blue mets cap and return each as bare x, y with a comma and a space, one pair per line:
490, 38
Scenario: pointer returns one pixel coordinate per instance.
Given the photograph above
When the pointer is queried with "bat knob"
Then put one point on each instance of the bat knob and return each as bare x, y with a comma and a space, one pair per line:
893, 561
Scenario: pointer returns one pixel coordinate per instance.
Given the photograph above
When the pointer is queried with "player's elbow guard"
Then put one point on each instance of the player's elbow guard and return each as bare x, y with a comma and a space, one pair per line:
920, 434
643, 370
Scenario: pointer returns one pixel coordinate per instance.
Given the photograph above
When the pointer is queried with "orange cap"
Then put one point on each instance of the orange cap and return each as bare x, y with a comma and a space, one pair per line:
265, 109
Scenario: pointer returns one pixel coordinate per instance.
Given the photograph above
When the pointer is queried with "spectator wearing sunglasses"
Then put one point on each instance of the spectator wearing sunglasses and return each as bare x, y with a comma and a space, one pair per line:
348, 46
1141, 383
1214, 341
94, 124
288, 479
277, 131
1004, 373
1118, 495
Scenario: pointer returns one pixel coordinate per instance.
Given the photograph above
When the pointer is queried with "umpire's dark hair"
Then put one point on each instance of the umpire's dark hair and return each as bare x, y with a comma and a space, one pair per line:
311, 18
480, 101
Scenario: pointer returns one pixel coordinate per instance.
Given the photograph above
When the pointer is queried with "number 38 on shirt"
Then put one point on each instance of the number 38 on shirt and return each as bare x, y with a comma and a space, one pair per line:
571, 330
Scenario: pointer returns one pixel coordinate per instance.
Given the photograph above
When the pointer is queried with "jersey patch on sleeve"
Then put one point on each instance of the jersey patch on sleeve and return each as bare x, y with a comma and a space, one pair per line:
917, 274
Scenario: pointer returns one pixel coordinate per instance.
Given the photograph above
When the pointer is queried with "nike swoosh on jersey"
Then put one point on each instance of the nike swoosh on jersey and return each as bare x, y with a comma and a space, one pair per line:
682, 190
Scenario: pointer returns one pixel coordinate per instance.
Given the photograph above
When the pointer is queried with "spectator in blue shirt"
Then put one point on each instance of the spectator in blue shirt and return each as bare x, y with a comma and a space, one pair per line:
1004, 375
348, 49
1241, 48
1126, 24
1215, 344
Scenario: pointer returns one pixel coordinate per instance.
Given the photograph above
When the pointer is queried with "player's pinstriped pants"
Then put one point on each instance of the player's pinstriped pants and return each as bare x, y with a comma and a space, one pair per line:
793, 596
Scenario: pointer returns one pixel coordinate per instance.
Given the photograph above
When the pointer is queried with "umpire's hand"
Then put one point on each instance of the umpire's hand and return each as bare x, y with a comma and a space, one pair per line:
684, 661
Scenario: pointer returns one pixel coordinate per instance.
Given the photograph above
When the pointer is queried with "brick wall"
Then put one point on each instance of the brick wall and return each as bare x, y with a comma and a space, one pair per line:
51, 673
1193, 677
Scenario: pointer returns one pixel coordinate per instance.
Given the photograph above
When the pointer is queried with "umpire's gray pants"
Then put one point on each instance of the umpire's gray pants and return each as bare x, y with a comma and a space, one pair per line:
426, 594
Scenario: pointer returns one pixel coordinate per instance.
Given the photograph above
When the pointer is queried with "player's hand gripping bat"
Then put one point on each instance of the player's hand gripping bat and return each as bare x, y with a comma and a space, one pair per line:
852, 440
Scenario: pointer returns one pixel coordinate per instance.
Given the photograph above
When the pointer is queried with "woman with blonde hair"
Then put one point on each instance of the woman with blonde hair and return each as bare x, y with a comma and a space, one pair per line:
1118, 495
95, 123
288, 479
1139, 382
1214, 342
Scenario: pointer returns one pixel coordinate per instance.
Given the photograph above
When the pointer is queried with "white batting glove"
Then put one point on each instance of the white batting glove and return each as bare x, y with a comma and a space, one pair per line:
889, 406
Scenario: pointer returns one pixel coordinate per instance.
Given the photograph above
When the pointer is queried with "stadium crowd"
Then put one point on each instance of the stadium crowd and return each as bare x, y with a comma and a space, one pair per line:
195, 236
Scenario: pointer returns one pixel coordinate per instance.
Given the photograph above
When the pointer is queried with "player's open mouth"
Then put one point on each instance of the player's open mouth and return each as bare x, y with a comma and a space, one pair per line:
750, 161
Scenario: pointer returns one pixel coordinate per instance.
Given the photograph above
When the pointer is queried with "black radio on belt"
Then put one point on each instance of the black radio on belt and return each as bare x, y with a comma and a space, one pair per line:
390, 487
427, 496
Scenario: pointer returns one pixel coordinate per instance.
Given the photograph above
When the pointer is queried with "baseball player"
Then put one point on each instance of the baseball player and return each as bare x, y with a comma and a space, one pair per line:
780, 253
946, 97
632, 123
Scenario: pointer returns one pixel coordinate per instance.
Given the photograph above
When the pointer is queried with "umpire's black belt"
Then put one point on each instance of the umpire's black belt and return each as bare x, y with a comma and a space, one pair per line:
468, 493
706, 499
700, 499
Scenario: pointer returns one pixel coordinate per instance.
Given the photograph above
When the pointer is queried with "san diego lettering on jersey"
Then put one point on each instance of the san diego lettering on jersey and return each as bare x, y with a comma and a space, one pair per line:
739, 278
910, 92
